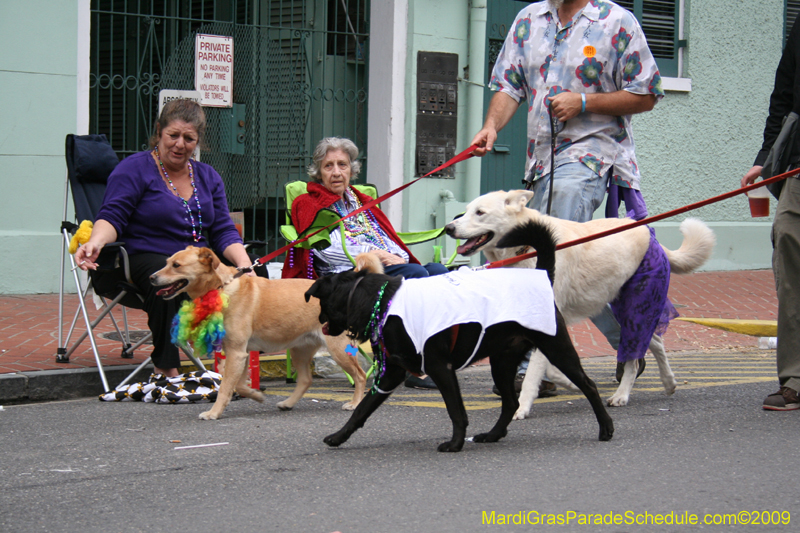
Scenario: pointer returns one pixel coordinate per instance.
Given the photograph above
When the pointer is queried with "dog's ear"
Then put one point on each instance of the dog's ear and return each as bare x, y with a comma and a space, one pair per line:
312, 291
517, 200
208, 258
369, 262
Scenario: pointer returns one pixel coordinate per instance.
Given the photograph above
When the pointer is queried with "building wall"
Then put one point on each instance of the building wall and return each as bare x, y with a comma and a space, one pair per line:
38, 107
697, 145
441, 26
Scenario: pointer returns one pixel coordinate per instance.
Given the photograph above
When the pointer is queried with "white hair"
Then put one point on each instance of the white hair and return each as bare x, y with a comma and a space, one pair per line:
333, 143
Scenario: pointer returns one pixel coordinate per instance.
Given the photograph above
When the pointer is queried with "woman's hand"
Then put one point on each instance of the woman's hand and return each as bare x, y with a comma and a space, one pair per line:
86, 255
237, 255
102, 234
389, 259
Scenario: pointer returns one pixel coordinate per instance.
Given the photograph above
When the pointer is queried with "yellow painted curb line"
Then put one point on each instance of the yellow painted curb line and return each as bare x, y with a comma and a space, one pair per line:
756, 328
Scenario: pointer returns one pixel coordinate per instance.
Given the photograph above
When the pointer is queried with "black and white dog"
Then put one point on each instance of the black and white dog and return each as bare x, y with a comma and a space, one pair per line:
371, 306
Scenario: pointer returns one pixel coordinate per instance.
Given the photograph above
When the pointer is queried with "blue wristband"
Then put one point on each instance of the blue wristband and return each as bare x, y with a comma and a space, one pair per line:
583, 102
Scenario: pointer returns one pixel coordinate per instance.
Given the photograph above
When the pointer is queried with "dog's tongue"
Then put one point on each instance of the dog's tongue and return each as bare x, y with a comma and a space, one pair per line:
325, 328
167, 290
467, 245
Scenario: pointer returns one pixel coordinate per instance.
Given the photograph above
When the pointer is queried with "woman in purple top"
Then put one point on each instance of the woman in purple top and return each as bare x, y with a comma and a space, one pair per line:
158, 202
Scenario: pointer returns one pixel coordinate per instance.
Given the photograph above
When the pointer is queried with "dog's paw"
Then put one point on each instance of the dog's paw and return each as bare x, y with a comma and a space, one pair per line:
489, 437
349, 406
606, 432
450, 446
284, 406
207, 415
521, 414
253, 394
669, 388
618, 400
334, 440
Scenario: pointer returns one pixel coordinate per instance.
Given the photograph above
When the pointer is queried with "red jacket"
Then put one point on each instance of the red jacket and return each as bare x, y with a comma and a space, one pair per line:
305, 209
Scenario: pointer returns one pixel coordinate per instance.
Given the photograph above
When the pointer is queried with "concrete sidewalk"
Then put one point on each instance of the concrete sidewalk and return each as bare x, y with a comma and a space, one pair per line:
29, 335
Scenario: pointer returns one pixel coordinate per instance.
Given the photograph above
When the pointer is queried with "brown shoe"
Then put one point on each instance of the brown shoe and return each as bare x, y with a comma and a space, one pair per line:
547, 389
784, 400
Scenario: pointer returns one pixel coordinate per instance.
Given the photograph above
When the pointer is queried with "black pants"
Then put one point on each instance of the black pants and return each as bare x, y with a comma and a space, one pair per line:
160, 312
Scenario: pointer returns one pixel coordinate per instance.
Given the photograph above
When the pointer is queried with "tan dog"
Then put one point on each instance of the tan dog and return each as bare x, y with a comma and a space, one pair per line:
262, 314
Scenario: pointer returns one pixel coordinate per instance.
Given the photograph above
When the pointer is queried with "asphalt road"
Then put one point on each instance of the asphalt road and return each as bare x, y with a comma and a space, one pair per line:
91, 466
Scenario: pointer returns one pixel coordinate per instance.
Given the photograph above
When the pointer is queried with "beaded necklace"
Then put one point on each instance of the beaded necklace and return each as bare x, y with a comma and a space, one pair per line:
197, 233
374, 330
372, 325
361, 226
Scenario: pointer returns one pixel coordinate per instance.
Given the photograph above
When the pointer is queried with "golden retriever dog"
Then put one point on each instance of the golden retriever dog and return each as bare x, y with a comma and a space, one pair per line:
262, 314
588, 276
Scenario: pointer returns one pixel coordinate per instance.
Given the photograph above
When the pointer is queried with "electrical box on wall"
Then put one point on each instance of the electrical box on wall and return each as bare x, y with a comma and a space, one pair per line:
437, 105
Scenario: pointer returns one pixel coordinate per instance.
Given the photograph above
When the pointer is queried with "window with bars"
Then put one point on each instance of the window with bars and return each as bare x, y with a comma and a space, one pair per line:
659, 21
792, 9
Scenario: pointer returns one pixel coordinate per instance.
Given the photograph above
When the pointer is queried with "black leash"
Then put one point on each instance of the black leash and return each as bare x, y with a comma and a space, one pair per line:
553, 125
529, 181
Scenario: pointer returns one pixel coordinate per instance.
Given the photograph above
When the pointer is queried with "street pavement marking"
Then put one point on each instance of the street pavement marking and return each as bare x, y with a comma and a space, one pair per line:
756, 328
696, 370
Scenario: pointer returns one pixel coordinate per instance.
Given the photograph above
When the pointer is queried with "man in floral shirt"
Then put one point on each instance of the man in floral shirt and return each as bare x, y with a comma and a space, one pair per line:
589, 60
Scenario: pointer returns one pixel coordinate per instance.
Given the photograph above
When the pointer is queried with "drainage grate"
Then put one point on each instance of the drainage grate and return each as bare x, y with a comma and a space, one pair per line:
135, 336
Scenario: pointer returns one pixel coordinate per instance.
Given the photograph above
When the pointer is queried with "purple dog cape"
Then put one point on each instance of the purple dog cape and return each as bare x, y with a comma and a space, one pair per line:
642, 307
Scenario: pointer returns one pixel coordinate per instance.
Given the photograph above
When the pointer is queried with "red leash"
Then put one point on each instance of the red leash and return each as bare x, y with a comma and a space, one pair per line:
654, 218
466, 154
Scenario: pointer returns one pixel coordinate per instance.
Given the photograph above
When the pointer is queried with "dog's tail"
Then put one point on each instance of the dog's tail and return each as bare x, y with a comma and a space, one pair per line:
369, 262
698, 243
540, 237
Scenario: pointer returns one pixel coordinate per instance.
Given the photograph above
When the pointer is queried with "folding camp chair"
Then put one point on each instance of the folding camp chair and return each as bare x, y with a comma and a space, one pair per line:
90, 160
322, 240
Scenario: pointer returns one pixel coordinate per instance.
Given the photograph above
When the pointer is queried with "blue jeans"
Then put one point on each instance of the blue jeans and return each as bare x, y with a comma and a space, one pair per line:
413, 270
577, 193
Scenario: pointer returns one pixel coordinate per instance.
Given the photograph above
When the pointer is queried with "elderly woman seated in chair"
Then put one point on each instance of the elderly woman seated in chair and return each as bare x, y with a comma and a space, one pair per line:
334, 164
158, 202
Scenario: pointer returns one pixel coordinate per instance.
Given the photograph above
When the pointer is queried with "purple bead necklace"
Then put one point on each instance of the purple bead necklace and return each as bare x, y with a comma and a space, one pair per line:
197, 232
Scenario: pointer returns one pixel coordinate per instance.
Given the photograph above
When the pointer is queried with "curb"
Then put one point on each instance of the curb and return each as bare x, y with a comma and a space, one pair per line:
49, 385
75, 383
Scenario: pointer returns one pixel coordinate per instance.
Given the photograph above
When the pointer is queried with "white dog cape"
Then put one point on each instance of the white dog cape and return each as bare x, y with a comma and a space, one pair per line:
433, 304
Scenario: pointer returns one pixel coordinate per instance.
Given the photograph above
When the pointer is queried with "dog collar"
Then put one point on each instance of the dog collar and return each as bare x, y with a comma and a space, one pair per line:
350, 296
241, 271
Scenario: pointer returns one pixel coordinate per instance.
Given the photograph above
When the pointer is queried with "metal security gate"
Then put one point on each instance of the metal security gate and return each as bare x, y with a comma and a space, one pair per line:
299, 75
